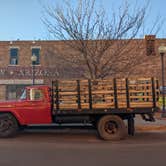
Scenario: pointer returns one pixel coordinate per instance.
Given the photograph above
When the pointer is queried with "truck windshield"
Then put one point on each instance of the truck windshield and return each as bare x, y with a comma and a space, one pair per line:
23, 96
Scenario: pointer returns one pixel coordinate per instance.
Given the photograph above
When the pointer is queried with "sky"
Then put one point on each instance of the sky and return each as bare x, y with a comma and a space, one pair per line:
21, 19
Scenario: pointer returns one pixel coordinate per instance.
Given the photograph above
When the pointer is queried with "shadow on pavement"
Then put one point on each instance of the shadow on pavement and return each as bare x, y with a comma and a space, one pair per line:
85, 136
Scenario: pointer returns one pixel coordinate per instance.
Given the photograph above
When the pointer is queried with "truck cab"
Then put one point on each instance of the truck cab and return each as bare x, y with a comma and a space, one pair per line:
33, 107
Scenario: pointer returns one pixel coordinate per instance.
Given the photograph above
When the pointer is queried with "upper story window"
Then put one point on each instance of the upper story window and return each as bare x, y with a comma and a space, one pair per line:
14, 56
36, 52
150, 45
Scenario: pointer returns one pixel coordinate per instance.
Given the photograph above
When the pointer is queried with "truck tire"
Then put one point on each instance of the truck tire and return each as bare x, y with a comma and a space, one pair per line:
112, 128
8, 125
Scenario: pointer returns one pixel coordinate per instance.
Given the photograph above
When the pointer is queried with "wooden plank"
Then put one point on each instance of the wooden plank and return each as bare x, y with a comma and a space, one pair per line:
68, 105
68, 96
121, 105
140, 79
61, 86
102, 91
140, 85
103, 105
74, 97
97, 92
67, 93
108, 97
140, 91
141, 97
67, 81
141, 103
67, 90
101, 80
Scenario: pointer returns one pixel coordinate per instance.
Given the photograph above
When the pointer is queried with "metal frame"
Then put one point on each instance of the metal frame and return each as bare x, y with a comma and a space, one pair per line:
127, 94
153, 92
90, 94
57, 95
115, 93
78, 94
107, 111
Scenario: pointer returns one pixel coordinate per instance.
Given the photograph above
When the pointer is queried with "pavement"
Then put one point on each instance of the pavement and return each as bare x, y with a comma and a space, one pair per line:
75, 147
159, 124
82, 148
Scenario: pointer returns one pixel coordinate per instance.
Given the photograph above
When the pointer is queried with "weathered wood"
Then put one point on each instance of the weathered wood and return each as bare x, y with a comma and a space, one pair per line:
67, 93
95, 94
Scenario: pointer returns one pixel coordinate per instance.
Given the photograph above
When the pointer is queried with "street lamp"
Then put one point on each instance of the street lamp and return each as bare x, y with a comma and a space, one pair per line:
162, 51
33, 59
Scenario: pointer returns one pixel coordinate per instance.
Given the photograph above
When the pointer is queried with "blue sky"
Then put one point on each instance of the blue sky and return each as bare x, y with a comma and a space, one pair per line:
21, 19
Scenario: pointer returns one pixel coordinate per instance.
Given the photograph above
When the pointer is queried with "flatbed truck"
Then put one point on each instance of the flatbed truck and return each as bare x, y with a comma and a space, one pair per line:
104, 104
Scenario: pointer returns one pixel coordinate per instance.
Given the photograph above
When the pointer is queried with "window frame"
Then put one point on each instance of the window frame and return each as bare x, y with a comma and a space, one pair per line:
38, 55
13, 57
32, 94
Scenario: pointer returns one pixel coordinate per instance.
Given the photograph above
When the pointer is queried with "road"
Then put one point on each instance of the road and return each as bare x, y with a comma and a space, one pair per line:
82, 147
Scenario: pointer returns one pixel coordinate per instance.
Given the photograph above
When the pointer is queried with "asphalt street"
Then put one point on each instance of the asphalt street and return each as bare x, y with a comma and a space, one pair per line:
82, 147
70, 147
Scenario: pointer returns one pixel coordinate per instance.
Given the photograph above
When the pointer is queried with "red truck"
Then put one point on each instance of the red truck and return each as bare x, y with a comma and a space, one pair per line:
104, 104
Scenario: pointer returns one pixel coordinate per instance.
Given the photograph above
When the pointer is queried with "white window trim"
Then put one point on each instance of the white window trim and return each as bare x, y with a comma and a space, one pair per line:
14, 47
33, 47
13, 65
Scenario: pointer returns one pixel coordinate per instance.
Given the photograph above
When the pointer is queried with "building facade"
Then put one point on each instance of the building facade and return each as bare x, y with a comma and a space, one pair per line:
16, 68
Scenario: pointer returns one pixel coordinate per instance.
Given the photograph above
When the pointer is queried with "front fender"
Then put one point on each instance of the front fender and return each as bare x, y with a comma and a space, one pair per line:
18, 117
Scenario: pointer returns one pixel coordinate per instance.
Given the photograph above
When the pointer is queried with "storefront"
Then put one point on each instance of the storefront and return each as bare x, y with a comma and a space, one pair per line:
14, 79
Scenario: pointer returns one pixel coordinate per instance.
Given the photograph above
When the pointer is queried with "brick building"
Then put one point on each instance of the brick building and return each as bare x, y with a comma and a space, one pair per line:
16, 64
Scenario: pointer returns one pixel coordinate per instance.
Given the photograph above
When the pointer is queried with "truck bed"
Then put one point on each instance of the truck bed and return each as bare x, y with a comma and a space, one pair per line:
127, 94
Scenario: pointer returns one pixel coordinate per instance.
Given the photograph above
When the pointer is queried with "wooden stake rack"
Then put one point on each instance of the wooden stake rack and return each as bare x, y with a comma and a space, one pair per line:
105, 94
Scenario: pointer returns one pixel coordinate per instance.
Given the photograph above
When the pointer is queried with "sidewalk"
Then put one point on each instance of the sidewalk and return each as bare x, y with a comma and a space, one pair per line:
159, 124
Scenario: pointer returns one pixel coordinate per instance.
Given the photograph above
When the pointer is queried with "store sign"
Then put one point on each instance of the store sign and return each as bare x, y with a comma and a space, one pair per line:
20, 81
27, 72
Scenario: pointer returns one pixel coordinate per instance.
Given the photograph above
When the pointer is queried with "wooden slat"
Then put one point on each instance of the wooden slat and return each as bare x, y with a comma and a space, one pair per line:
103, 93
139, 85
98, 92
140, 97
141, 103
67, 93
140, 91
74, 97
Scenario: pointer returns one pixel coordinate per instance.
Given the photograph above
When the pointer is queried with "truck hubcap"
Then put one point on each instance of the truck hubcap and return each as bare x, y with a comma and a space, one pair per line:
5, 124
111, 127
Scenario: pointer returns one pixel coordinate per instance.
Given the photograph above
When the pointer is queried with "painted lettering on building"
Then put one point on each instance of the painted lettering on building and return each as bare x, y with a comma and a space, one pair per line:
27, 72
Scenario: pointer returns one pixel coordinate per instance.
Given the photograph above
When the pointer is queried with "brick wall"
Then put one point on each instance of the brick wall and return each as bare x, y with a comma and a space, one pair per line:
52, 50
149, 66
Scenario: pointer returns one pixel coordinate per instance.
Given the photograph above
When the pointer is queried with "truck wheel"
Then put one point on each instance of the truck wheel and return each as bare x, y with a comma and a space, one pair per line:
111, 127
8, 126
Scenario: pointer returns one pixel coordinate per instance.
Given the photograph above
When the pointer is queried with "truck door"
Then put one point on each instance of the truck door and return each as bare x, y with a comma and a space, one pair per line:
36, 109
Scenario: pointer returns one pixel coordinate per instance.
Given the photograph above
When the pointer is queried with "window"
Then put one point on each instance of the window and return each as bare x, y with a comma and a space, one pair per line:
24, 95
150, 45
14, 92
36, 52
13, 56
36, 94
